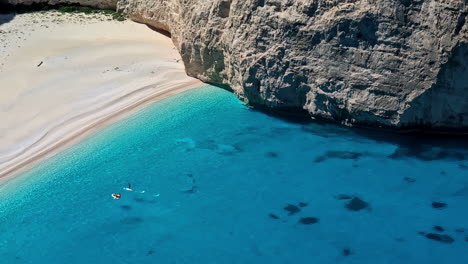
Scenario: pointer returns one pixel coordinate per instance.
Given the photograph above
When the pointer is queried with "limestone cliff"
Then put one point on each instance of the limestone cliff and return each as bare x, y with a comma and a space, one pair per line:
380, 63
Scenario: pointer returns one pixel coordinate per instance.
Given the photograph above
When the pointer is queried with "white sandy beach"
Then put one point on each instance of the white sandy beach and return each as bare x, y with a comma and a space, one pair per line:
92, 71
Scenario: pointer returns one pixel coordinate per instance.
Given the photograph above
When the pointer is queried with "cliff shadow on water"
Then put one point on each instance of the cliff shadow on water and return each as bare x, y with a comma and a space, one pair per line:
419, 145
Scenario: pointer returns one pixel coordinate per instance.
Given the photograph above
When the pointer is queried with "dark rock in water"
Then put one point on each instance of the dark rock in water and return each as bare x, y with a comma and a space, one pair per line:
126, 207
309, 220
460, 230
150, 252
462, 166
443, 173
273, 216
271, 154
131, 220
408, 179
339, 155
302, 204
439, 205
292, 209
440, 238
438, 228
356, 204
466, 238
346, 252
343, 197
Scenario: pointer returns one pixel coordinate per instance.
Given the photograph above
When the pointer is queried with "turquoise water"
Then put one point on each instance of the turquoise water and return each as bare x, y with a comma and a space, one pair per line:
212, 179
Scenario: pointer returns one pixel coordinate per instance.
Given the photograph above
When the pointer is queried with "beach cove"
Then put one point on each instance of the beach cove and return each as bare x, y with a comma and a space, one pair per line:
63, 76
89, 106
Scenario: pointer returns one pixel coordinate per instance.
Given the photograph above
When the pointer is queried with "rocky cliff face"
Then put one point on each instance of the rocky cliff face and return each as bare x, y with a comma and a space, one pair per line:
380, 63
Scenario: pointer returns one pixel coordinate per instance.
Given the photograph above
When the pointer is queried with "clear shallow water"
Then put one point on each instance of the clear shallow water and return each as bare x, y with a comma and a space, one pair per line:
213, 171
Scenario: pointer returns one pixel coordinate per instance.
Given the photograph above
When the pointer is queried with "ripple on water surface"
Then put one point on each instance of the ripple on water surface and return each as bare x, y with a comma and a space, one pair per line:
215, 182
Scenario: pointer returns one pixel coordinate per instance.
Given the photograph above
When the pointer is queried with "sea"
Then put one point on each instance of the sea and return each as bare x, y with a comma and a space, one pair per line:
214, 181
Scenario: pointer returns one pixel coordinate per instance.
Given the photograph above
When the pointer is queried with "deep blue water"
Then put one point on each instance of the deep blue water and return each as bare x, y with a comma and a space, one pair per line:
216, 178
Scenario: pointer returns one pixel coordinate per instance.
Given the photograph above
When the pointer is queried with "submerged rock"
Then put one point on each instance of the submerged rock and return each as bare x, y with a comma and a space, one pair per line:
271, 154
408, 179
439, 205
126, 207
346, 252
356, 204
292, 209
438, 228
273, 216
309, 220
440, 238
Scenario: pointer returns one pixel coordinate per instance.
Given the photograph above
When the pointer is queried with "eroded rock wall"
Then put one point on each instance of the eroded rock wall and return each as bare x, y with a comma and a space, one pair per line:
390, 63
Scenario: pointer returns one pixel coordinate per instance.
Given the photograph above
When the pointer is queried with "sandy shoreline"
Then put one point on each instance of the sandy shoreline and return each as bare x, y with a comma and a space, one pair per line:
92, 72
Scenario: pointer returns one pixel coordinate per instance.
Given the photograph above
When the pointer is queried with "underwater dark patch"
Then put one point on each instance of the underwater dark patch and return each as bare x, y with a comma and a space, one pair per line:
271, 154
343, 197
356, 204
139, 200
273, 216
131, 220
292, 209
346, 252
309, 220
438, 228
427, 153
439, 205
440, 238
346, 155
126, 207
303, 204
408, 179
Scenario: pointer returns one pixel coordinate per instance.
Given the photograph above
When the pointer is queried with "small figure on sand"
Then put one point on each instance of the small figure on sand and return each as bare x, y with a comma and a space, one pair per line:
129, 188
116, 196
